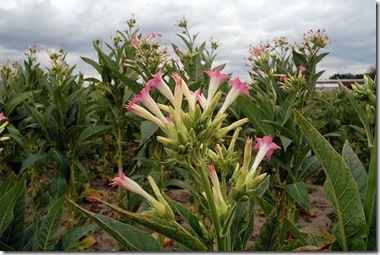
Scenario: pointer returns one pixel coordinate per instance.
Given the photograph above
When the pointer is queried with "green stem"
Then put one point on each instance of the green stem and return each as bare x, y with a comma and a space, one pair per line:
220, 241
371, 187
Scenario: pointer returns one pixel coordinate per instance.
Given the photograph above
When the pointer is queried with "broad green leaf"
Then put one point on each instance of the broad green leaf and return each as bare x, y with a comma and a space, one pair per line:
268, 238
256, 115
6, 185
73, 236
308, 166
298, 192
60, 103
19, 99
14, 235
287, 227
191, 220
357, 169
244, 218
148, 129
341, 189
8, 201
167, 228
58, 184
32, 159
91, 133
49, 228
129, 237
4, 247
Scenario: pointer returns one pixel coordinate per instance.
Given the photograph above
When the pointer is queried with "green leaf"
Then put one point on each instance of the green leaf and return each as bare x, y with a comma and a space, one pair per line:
14, 235
8, 201
191, 219
357, 169
340, 188
73, 236
49, 229
19, 99
167, 228
129, 237
268, 238
273, 221
256, 115
308, 166
58, 184
148, 129
298, 192
32, 159
90, 133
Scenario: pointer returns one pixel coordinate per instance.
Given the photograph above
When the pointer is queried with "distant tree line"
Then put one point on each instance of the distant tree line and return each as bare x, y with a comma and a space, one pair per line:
371, 72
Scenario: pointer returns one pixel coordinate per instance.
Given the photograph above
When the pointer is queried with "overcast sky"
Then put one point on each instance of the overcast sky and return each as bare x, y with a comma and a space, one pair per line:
236, 24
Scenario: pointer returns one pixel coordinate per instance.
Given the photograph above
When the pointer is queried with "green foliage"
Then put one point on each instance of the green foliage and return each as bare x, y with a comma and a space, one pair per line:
342, 190
43, 234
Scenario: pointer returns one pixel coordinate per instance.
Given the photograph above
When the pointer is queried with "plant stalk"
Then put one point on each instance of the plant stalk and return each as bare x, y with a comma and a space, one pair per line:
220, 241
371, 187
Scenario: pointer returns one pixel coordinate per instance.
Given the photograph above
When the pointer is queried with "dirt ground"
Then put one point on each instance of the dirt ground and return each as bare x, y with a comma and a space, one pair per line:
318, 219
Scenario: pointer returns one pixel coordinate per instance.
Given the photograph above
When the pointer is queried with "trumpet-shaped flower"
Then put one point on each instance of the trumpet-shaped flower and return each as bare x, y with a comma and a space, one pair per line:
134, 187
161, 85
266, 148
2, 117
302, 69
143, 113
216, 79
237, 88
149, 103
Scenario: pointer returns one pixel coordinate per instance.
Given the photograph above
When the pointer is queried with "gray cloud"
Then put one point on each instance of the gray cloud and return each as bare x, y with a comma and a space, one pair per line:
350, 24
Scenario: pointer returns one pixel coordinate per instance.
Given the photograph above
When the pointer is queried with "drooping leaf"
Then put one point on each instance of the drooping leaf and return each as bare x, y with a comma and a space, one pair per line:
128, 236
162, 226
341, 189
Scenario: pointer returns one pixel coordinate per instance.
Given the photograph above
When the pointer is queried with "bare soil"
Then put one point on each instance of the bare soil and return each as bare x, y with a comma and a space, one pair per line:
316, 220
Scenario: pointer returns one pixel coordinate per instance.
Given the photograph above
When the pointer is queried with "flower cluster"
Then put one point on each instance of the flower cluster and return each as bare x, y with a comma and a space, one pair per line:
313, 41
246, 179
196, 126
191, 128
148, 50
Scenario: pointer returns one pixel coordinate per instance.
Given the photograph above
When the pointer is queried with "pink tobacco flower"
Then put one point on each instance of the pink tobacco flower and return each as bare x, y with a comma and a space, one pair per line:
216, 79
130, 185
143, 113
266, 148
149, 103
302, 69
2, 117
237, 88
134, 187
161, 85
282, 77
